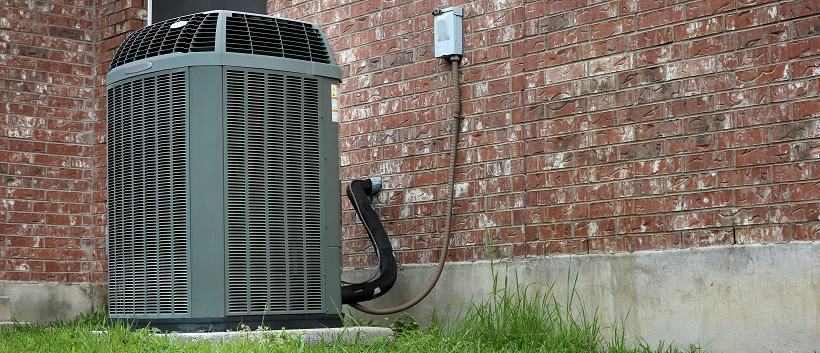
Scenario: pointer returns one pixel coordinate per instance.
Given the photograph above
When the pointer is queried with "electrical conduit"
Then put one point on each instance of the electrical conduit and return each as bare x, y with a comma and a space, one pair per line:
364, 290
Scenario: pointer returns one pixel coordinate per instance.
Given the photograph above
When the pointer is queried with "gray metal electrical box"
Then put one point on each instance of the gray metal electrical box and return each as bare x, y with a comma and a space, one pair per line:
223, 167
448, 32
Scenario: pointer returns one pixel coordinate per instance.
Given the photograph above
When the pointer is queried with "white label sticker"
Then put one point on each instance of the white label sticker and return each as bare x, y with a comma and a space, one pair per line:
334, 103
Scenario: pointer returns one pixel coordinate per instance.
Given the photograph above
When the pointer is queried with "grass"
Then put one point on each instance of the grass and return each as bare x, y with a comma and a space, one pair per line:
512, 319
530, 318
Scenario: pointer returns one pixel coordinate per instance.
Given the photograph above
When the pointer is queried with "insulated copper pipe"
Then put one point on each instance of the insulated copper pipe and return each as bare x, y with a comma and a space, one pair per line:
455, 59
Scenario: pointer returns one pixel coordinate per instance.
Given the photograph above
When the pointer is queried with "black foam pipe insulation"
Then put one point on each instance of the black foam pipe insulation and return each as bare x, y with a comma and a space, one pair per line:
358, 192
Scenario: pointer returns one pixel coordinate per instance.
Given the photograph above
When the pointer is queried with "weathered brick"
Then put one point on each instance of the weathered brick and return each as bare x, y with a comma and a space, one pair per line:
566, 37
660, 17
772, 34
628, 113
796, 49
706, 8
703, 238
798, 8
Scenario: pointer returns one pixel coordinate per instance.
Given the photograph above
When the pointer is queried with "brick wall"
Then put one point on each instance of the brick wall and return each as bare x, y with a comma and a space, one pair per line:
53, 60
590, 126
115, 19
46, 154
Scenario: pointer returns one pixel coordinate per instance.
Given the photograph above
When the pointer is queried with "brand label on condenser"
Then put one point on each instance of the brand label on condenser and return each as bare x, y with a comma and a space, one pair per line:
334, 103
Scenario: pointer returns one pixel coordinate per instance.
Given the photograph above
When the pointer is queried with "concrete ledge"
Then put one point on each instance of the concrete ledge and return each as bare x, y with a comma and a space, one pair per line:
749, 298
5, 314
48, 302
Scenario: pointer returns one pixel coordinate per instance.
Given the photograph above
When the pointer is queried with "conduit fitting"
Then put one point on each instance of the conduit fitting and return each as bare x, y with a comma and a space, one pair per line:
375, 185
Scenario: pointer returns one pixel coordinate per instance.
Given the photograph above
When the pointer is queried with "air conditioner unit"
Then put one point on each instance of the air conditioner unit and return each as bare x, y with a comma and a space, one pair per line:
223, 175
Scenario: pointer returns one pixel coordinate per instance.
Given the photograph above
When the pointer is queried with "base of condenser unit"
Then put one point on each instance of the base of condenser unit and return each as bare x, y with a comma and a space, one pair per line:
231, 323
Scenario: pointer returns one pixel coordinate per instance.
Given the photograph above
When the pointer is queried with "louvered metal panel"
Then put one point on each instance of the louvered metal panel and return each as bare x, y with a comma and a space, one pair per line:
147, 202
272, 36
198, 35
223, 175
273, 200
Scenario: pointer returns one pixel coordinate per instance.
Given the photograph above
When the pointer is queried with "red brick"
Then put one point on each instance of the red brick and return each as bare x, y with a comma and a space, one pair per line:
650, 38
798, 8
692, 220
806, 109
709, 46
611, 136
773, 34
752, 17
611, 28
565, 5
708, 161
660, 17
741, 99
609, 64
805, 212
567, 37
762, 115
703, 238
640, 77
762, 195
806, 232
610, 245
640, 187
762, 155
743, 138
588, 157
699, 28
566, 247
567, 213
638, 225
596, 13
706, 8
609, 209
762, 75
800, 130
560, 115
795, 90
551, 58
693, 67
656, 242
602, 48
628, 6
806, 28
805, 68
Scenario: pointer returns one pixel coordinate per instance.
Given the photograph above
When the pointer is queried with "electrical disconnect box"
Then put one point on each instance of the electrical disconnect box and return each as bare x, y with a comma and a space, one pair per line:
448, 32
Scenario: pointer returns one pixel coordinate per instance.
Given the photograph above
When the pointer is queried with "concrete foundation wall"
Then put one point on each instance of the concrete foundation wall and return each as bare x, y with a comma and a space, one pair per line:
752, 298
47, 302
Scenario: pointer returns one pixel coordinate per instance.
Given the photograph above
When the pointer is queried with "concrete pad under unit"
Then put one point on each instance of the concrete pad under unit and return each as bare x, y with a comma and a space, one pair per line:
315, 336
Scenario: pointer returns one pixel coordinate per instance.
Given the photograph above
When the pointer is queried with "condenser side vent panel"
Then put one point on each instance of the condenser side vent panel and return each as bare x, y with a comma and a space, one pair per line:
272, 36
198, 34
147, 186
273, 193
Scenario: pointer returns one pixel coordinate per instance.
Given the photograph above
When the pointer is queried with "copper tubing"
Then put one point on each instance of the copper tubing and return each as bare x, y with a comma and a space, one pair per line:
451, 172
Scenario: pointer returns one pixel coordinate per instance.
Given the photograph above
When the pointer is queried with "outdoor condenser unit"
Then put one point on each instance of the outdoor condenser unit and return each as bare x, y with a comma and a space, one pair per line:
223, 167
